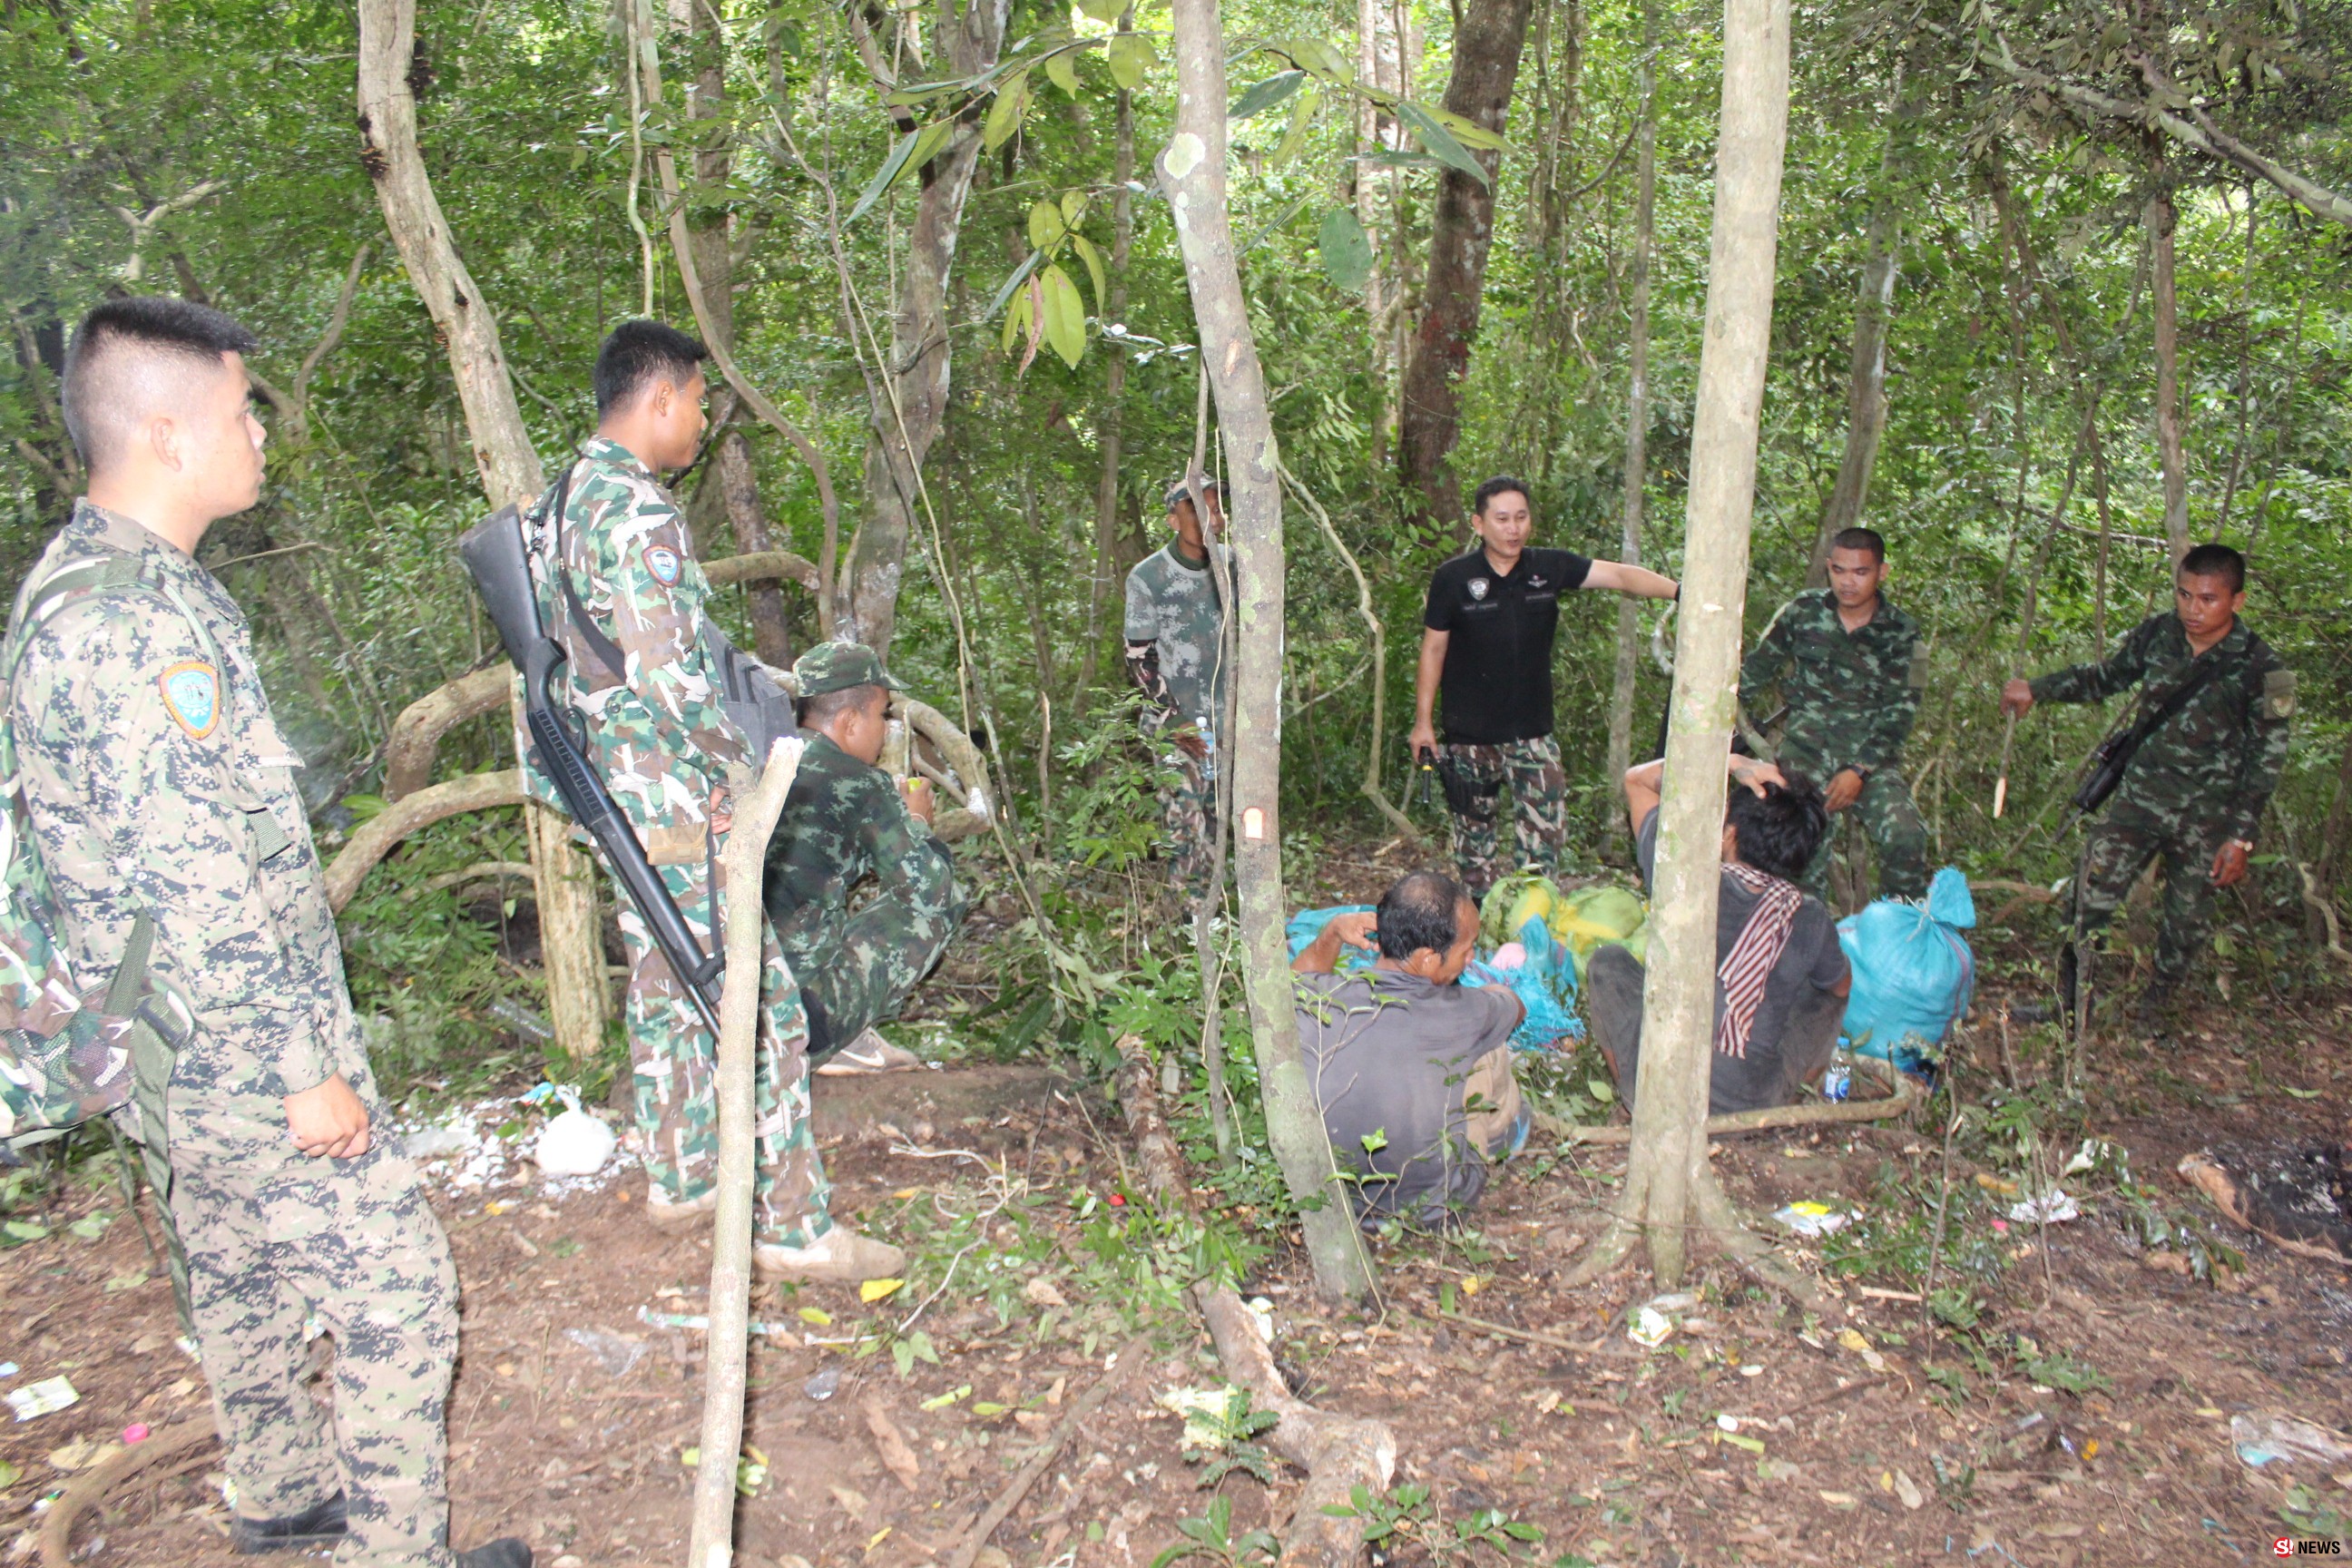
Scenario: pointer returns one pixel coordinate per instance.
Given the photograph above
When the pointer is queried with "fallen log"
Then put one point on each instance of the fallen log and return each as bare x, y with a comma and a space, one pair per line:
374, 838
1338, 1453
181, 1444
1903, 1093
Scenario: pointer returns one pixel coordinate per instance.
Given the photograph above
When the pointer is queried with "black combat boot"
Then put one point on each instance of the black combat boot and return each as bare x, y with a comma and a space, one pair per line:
2154, 1008
508, 1553
322, 1524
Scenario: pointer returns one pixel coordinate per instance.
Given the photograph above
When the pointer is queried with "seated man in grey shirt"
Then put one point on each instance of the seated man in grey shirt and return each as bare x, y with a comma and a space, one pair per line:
1413, 1070
1780, 978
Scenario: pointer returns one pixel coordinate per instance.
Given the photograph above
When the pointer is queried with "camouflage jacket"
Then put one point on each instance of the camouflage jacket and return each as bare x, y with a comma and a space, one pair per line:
156, 779
2214, 763
1174, 626
637, 668
1851, 696
843, 823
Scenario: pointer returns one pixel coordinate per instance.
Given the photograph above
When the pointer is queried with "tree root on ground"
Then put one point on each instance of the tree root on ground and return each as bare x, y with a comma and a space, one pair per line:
1126, 1362
1338, 1453
1904, 1094
176, 1444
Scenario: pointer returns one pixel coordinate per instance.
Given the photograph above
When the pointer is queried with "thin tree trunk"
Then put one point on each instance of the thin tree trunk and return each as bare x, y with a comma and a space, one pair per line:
1637, 418
912, 406
1668, 1188
1487, 47
1873, 307
2161, 219
1192, 173
1122, 240
2338, 823
571, 946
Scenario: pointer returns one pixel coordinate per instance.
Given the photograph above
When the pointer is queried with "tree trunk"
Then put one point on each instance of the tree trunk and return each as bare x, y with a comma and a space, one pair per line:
571, 945
909, 405
1487, 47
1637, 417
1122, 240
1192, 173
2336, 826
2161, 219
714, 264
1667, 1183
1874, 305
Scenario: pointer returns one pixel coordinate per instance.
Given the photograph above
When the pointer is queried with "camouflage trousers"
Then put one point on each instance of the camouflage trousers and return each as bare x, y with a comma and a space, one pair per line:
1538, 807
2117, 851
1898, 839
1188, 816
354, 1241
863, 976
676, 1059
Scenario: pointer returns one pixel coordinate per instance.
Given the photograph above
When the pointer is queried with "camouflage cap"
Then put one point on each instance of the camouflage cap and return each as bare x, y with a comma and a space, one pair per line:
838, 665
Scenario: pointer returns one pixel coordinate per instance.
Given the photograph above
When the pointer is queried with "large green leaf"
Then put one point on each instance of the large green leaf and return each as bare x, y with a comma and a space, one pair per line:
1131, 55
1262, 96
1066, 317
1315, 54
1107, 12
1347, 250
1061, 70
1302, 115
1469, 133
912, 151
1092, 259
1004, 115
1440, 142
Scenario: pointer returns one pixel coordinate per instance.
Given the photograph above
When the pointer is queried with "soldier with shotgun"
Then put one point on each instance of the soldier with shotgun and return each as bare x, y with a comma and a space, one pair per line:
2190, 776
620, 591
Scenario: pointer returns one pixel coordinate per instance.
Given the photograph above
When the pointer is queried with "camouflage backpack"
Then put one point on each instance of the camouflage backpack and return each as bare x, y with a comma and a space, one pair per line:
69, 1048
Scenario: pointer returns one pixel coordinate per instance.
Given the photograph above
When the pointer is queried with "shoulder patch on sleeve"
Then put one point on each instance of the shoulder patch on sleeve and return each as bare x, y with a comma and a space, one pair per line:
2278, 693
192, 696
665, 564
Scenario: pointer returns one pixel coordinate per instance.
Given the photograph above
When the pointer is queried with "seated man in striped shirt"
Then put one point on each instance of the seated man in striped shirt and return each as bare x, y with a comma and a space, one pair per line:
1780, 979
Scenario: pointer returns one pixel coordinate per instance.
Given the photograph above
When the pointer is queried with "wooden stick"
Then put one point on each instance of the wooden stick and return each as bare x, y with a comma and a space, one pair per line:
1906, 1094
2001, 784
1130, 1357
756, 811
1509, 1332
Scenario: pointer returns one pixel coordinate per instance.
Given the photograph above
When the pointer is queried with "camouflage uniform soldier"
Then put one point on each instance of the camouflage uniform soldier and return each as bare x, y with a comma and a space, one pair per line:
2195, 791
845, 822
1488, 630
629, 613
159, 786
1851, 666
1175, 653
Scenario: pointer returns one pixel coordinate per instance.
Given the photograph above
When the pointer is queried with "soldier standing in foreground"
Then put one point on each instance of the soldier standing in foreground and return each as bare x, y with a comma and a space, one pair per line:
843, 822
2195, 789
1175, 654
162, 801
1488, 630
620, 591
1851, 666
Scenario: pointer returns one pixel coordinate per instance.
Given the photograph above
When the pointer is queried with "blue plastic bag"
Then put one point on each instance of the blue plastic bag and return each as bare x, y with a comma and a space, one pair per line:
1545, 983
1307, 924
1913, 972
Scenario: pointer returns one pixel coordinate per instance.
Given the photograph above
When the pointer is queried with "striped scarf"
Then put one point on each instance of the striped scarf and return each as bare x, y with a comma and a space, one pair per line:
1748, 967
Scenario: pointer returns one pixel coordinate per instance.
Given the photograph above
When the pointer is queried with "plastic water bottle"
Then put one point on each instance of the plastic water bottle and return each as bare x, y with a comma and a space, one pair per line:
1837, 1082
1208, 739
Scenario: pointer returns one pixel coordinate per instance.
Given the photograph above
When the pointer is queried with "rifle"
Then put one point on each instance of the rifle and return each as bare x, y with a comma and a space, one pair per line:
494, 557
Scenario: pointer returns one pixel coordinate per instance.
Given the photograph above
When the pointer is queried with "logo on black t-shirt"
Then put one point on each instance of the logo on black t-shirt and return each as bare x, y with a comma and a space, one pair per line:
1477, 587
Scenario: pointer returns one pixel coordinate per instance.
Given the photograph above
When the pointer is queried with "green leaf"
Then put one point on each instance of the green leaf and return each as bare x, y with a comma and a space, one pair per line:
1131, 55
1005, 114
1469, 133
21, 1230
1061, 70
902, 1355
913, 150
1092, 259
1316, 55
1020, 276
1045, 225
942, 1401
1601, 1088
920, 1344
1347, 251
1302, 115
1074, 208
1066, 317
1016, 319
1262, 96
1107, 12
1440, 142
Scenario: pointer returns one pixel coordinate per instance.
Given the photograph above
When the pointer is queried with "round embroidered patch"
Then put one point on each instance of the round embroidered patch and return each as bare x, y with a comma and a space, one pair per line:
663, 563
191, 696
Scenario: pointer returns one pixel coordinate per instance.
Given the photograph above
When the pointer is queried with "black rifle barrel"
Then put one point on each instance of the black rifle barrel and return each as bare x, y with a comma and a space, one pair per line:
493, 553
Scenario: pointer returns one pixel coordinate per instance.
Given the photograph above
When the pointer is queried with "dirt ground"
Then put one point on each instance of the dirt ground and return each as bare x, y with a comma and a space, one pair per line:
1752, 1435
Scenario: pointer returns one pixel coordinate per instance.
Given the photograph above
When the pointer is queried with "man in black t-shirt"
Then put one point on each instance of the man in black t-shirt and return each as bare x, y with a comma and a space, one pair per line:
1486, 641
1781, 979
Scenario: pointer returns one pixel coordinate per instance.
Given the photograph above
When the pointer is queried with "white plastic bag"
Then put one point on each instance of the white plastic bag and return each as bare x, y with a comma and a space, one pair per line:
573, 1143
